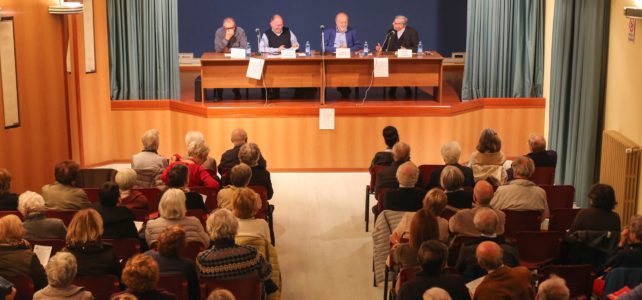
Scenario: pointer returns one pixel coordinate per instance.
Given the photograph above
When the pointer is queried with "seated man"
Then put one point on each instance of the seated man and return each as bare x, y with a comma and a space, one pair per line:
230, 158
553, 288
486, 223
403, 37
432, 256
450, 153
521, 193
407, 197
240, 177
462, 222
388, 177
249, 154
341, 36
540, 156
274, 40
502, 282
227, 37
62, 195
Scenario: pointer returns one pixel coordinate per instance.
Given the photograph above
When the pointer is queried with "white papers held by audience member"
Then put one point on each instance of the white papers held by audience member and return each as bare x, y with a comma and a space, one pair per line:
255, 68
381, 67
43, 253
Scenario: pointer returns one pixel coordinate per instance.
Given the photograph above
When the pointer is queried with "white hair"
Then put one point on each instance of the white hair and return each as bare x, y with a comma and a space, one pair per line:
404, 19
61, 269
150, 140
436, 293
172, 204
31, 203
222, 224
553, 288
194, 136
198, 149
451, 152
126, 179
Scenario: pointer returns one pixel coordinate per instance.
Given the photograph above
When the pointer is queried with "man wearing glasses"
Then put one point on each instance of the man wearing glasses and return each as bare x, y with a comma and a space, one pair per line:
401, 36
227, 37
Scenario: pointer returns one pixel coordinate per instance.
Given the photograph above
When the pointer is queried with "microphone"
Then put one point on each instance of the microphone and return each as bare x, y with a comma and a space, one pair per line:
322, 27
388, 36
258, 40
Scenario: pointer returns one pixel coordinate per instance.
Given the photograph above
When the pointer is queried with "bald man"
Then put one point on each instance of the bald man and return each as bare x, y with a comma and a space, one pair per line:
230, 158
341, 36
461, 224
407, 197
502, 282
277, 38
540, 156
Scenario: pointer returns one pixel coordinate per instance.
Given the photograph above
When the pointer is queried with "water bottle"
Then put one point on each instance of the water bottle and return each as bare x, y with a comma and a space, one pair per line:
365, 49
307, 48
420, 49
248, 50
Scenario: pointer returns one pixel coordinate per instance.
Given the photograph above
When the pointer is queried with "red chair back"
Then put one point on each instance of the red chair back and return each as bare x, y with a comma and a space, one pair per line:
100, 286
543, 175
537, 248
56, 245
521, 220
380, 193
153, 197
124, 248
373, 175
192, 249
210, 196
244, 288
64, 215
559, 196
426, 171
455, 247
200, 214
562, 218
10, 212
579, 278
175, 283
24, 287
262, 191
92, 194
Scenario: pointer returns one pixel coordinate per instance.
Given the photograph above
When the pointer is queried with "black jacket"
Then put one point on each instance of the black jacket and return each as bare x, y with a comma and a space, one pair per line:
404, 199
118, 222
453, 284
409, 40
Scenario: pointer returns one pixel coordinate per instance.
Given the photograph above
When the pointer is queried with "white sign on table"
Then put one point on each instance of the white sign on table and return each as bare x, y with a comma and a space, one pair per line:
326, 118
288, 53
238, 53
381, 67
343, 52
404, 53
255, 68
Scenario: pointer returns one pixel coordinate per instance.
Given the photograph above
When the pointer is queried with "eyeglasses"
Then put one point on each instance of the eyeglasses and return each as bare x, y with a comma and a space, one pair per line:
229, 28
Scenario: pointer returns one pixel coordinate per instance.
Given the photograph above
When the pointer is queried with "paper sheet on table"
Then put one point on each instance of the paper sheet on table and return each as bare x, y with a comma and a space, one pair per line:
472, 286
238, 53
139, 225
43, 253
343, 52
381, 67
227, 55
255, 68
326, 118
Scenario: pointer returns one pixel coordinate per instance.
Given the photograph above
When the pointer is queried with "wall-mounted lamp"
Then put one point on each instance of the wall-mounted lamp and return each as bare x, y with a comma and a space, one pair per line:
633, 12
65, 8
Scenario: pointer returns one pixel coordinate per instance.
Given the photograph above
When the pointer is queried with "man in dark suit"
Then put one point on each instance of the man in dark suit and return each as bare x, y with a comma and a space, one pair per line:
401, 36
230, 158
341, 36
407, 197
388, 177
432, 256
502, 282
485, 221
450, 153
540, 156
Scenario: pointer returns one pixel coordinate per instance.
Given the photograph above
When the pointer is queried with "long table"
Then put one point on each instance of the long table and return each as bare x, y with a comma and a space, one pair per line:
218, 71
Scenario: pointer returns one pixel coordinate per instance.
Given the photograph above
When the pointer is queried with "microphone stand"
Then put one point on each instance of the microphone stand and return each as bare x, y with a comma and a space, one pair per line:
388, 40
322, 40
258, 40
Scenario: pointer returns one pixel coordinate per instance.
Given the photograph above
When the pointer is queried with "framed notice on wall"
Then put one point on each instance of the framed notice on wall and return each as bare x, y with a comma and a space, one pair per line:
9, 74
88, 29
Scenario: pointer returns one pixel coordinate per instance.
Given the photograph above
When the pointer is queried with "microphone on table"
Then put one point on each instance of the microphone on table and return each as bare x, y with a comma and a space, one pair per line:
388, 35
258, 39
322, 27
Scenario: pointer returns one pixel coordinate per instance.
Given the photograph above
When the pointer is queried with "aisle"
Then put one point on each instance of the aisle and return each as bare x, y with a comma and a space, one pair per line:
323, 248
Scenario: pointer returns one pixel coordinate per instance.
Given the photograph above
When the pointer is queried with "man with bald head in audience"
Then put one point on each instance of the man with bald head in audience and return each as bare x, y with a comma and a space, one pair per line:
407, 197
502, 282
388, 177
230, 158
540, 156
485, 222
462, 222
521, 193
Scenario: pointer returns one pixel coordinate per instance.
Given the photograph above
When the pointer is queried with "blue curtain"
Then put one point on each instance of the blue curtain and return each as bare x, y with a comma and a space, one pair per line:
578, 79
504, 49
143, 49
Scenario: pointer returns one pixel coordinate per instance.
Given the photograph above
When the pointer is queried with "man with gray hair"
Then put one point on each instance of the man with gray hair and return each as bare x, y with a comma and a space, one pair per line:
450, 153
502, 282
407, 197
400, 36
227, 37
553, 288
230, 158
388, 176
461, 224
540, 156
521, 193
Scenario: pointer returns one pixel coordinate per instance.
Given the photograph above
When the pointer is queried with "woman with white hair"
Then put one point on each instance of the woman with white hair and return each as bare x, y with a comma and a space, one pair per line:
199, 138
450, 153
148, 158
61, 271
126, 180
37, 227
198, 176
172, 212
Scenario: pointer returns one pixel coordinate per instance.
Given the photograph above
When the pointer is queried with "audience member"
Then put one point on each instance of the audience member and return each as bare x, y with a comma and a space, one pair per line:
434, 202
450, 153
432, 257
8, 200
521, 193
38, 227
221, 294
423, 227
629, 252
486, 223
141, 275
198, 176
240, 176
634, 294
462, 222
16, 257
123, 296
244, 209
178, 179
388, 176
132, 199
540, 156
168, 257
250, 154
553, 288
84, 241
407, 197
225, 259
488, 160
62, 195
148, 164
118, 221
172, 212
452, 180
230, 158
502, 282
436, 293
197, 137
384, 158
61, 271
600, 216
